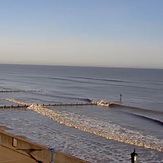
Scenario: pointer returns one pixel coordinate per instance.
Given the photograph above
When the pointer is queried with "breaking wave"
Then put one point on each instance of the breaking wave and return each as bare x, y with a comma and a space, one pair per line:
148, 118
101, 128
133, 108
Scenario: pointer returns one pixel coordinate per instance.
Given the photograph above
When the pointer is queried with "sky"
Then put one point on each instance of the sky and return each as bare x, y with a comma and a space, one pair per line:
105, 33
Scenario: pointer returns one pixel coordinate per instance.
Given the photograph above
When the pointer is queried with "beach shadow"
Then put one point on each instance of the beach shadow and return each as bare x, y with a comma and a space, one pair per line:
29, 152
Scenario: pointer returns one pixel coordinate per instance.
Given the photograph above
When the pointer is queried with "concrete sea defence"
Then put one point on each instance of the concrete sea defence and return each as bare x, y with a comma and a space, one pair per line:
37, 152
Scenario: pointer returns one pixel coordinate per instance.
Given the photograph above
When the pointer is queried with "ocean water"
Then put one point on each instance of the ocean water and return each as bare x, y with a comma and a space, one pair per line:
94, 133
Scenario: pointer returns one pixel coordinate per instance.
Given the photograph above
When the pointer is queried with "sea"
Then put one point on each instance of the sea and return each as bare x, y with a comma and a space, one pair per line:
98, 134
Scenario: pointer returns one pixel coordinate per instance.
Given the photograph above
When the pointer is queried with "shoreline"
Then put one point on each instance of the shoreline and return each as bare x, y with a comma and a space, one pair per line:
25, 148
5, 129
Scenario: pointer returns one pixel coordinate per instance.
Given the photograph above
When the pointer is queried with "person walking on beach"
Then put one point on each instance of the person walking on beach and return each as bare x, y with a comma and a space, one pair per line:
134, 157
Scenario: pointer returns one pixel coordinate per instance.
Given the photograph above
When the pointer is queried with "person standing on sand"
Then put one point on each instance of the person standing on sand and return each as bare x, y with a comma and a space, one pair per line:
120, 98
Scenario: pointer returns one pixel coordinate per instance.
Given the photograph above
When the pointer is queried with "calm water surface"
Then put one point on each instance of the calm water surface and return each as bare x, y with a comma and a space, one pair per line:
98, 134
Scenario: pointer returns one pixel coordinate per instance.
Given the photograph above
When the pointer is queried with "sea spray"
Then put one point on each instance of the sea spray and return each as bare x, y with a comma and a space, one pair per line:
98, 127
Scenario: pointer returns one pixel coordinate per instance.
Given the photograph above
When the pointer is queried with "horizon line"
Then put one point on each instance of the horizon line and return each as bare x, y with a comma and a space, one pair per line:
86, 66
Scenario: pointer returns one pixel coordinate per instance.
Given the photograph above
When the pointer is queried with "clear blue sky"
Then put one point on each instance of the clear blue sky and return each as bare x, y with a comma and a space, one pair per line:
112, 33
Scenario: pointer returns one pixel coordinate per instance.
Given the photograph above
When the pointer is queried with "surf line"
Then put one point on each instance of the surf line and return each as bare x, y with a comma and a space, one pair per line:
101, 128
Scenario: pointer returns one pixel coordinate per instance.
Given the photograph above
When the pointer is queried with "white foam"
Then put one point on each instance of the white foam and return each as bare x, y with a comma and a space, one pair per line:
98, 127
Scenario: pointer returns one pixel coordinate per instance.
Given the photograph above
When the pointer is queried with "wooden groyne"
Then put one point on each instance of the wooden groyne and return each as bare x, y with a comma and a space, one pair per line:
17, 91
57, 104
14, 106
69, 104
45, 105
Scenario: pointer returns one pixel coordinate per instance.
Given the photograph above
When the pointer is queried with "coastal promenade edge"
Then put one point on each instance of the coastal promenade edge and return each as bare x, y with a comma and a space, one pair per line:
15, 149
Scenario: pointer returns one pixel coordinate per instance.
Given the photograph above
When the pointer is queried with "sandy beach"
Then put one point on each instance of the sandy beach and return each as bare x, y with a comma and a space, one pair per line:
10, 155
